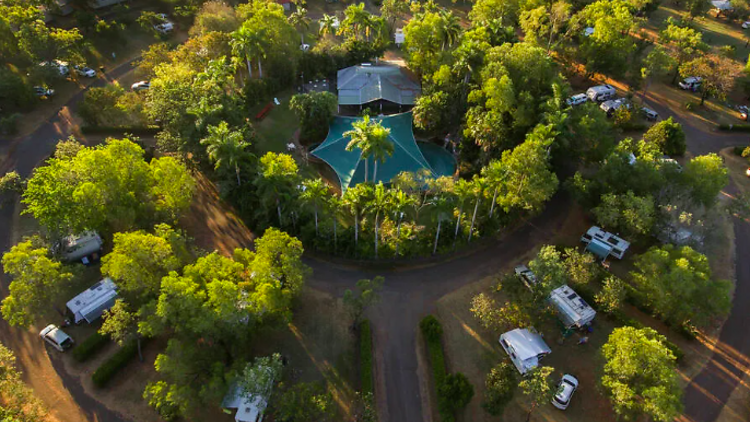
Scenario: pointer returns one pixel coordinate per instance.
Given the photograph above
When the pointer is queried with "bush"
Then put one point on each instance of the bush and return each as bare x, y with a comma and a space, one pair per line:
738, 150
111, 366
433, 332
365, 357
500, 386
668, 136
453, 395
90, 347
736, 128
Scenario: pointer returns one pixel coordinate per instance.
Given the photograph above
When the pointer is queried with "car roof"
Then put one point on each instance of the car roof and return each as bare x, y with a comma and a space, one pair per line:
55, 334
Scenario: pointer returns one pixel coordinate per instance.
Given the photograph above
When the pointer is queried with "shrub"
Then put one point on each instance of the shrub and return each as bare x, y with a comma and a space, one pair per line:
500, 386
738, 150
668, 136
365, 356
735, 128
111, 366
433, 332
90, 346
453, 395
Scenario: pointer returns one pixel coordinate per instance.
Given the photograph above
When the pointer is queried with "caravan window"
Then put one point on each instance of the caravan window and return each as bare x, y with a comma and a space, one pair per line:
616, 251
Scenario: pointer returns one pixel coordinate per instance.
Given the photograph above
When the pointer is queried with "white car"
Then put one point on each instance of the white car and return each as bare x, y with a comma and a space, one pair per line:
566, 388
577, 99
527, 277
691, 83
649, 114
84, 71
41, 91
165, 27
304, 47
56, 337
140, 86
746, 25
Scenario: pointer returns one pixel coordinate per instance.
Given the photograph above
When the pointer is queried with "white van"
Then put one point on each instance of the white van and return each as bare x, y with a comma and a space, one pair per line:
601, 93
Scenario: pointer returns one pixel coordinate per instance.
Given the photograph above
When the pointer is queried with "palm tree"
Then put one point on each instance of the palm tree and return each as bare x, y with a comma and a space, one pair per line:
334, 204
354, 198
494, 174
315, 191
226, 147
462, 191
356, 21
451, 28
327, 25
371, 139
380, 201
478, 187
278, 177
241, 43
300, 21
443, 206
401, 201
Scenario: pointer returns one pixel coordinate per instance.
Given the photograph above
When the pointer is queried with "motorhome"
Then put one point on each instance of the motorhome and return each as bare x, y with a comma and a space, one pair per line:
601, 93
572, 310
82, 246
525, 348
603, 244
91, 304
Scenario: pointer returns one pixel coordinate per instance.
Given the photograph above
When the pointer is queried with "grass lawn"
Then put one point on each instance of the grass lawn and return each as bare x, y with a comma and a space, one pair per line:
277, 129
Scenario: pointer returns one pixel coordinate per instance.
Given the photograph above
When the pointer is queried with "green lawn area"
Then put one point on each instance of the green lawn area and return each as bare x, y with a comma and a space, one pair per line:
277, 129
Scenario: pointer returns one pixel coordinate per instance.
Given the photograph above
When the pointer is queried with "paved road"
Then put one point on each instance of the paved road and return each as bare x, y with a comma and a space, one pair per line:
27, 154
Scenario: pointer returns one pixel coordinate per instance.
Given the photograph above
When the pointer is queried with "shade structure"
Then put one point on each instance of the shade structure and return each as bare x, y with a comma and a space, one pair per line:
407, 155
363, 84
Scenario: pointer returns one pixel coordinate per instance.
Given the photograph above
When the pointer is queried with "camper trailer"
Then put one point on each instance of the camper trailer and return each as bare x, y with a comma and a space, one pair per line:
601, 93
604, 244
250, 406
91, 304
525, 348
571, 308
85, 246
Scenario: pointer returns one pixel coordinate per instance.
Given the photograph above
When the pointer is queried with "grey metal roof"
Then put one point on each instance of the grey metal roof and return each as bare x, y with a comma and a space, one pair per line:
363, 84
525, 343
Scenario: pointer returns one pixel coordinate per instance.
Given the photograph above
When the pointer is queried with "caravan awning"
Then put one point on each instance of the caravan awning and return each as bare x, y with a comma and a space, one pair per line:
599, 248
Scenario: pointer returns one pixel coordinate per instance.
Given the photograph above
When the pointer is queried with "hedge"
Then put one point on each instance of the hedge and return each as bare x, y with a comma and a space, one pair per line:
743, 127
89, 347
433, 332
119, 130
365, 357
111, 366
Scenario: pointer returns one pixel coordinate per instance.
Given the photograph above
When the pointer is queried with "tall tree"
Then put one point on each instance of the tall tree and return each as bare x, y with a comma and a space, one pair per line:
356, 198
372, 139
367, 294
657, 64
357, 22
629, 214
462, 190
226, 147
706, 176
718, 75
37, 283
278, 181
315, 192
327, 25
549, 269
640, 375
478, 187
400, 202
668, 136
315, 111
301, 21
121, 325
537, 387
684, 43
678, 285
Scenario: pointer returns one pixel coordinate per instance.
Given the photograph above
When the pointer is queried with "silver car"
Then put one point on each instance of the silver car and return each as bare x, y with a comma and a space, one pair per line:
565, 389
56, 337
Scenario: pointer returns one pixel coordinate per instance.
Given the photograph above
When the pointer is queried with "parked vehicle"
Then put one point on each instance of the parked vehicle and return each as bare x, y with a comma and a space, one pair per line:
743, 111
525, 347
56, 338
83, 247
745, 24
601, 93
577, 99
304, 47
43, 92
649, 114
92, 302
61, 67
84, 71
604, 244
692, 83
140, 86
165, 26
572, 310
527, 277
611, 106
565, 389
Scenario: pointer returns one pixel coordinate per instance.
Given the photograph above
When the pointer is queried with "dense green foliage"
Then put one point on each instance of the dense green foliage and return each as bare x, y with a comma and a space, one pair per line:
668, 136
432, 332
19, 402
305, 402
89, 347
453, 395
500, 387
365, 358
640, 376
110, 367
